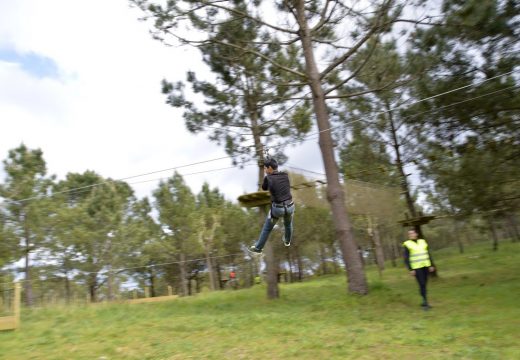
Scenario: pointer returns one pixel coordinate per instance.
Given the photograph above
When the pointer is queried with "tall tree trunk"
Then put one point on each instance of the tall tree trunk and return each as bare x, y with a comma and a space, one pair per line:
393, 255
197, 283
396, 250
27, 269
68, 294
458, 238
207, 242
92, 280
270, 261
289, 264
388, 244
211, 270
299, 261
492, 227
378, 247
93, 288
513, 226
333, 251
271, 265
28, 281
184, 275
151, 278
252, 273
355, 273
273, 291
323, 259
219, 274
405, 187
110, 286
468, 236
256, 271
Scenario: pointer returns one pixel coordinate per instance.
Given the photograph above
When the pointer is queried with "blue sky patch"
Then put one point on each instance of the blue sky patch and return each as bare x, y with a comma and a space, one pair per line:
34, 64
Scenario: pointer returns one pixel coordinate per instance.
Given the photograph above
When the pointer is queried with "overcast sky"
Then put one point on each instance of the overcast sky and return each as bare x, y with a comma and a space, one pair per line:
81, 81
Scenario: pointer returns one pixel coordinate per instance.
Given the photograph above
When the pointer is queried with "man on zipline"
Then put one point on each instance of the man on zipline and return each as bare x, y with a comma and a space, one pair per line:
282, 204
419, 261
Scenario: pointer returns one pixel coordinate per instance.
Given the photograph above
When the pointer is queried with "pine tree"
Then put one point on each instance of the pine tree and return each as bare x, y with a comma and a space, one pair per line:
469, 139
176, 206
315, 26
24, 191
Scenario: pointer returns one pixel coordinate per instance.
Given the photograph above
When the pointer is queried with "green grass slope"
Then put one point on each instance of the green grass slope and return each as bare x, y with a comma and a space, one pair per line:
475, 315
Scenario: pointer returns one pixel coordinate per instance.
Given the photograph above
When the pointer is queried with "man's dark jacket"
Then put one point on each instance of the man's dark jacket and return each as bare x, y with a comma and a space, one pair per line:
278, 185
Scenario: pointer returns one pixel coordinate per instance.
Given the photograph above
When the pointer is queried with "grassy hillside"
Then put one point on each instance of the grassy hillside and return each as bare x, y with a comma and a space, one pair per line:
475, 315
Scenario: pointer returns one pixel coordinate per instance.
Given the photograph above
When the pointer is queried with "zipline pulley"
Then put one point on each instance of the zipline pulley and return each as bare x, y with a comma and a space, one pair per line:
266, 153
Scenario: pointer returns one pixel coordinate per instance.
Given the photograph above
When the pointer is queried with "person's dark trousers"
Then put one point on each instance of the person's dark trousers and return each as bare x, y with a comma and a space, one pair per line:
421, 275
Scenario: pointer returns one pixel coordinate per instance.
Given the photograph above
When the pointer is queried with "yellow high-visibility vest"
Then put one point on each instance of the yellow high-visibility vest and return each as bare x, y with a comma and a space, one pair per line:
418, 253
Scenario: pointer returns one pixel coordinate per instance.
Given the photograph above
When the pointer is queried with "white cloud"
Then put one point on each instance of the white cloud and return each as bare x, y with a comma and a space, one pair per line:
104, 112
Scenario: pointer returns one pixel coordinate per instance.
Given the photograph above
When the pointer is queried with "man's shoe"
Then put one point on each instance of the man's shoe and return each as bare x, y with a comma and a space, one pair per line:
254, 250
426, 306
285, 241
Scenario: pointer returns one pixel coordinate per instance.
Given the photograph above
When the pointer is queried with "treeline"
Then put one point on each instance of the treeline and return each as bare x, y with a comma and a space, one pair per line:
92, 232
89, 238
399, 89
425, 104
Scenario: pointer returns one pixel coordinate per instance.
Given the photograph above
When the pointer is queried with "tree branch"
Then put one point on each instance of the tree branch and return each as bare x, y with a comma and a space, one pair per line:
198, 43
384, 87
352, 50
355, 71
257, 20
323, 16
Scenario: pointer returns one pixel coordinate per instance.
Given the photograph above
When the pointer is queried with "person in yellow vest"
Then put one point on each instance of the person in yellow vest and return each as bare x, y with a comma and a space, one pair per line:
419, 261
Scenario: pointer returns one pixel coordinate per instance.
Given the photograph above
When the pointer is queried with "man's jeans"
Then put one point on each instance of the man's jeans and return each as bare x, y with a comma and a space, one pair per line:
274, 214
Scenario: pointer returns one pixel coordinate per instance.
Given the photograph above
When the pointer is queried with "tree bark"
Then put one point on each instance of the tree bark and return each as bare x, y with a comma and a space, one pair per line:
405, 187
513, 226
252, 273
393, 255
211, 270
378, 247
184, 279
28, 281
93, 288
395, 249
333, 251
197, 283
271, 265
110, 286
67, 287
219, 275
151, 278
493, 232
324, 268
289, 264
273, 291
189, 286
355, 273
299, 261
458, 238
